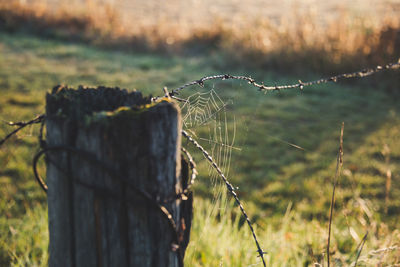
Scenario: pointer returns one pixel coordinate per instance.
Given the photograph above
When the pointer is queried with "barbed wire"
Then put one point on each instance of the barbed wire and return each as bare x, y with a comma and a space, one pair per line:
230, 189
21, 125
184, 194
262, 87
193, 168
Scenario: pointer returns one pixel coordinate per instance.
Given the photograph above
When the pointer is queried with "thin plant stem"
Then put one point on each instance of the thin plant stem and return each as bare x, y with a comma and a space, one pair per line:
339, 163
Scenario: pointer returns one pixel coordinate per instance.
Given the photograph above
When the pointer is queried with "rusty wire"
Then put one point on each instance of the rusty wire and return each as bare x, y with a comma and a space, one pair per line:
193, 168
21, 125
262, 87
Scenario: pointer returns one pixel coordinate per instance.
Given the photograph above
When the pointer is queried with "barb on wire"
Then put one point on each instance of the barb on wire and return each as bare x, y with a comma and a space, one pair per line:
300, 84
230, 189
21, 125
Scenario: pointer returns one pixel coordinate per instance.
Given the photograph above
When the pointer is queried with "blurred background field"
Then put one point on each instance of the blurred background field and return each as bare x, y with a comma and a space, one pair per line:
291, 35
147, 45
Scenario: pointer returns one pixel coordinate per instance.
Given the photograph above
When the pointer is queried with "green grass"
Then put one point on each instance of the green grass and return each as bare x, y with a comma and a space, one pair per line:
285, 190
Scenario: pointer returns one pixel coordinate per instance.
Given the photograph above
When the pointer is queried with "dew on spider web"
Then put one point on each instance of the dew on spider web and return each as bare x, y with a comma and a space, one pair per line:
205, 118
204, 115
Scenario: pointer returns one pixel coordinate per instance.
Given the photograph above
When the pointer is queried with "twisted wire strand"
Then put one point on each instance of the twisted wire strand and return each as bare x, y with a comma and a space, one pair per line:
230, 189
183, 195
300, 84
21, 125
193, 168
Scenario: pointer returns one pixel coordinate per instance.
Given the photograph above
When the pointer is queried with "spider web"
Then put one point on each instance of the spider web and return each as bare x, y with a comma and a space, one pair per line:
204, 115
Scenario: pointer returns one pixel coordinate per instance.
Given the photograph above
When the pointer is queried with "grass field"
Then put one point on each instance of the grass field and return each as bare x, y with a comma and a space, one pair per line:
285, 190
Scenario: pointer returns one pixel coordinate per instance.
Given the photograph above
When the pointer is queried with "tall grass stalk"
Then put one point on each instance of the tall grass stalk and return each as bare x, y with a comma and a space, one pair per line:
339, 164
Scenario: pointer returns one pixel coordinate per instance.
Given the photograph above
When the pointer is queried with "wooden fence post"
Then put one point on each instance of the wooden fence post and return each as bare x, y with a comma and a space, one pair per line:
114, 172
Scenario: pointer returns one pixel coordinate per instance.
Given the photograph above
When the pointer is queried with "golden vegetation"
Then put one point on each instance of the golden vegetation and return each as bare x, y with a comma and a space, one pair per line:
295, 42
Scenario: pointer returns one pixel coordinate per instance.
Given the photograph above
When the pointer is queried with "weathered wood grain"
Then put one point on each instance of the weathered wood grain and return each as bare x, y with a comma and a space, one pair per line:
97, 217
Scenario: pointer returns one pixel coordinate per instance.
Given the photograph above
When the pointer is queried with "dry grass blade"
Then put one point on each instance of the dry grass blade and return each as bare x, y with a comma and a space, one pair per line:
339, 164
360, 247
388, 184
